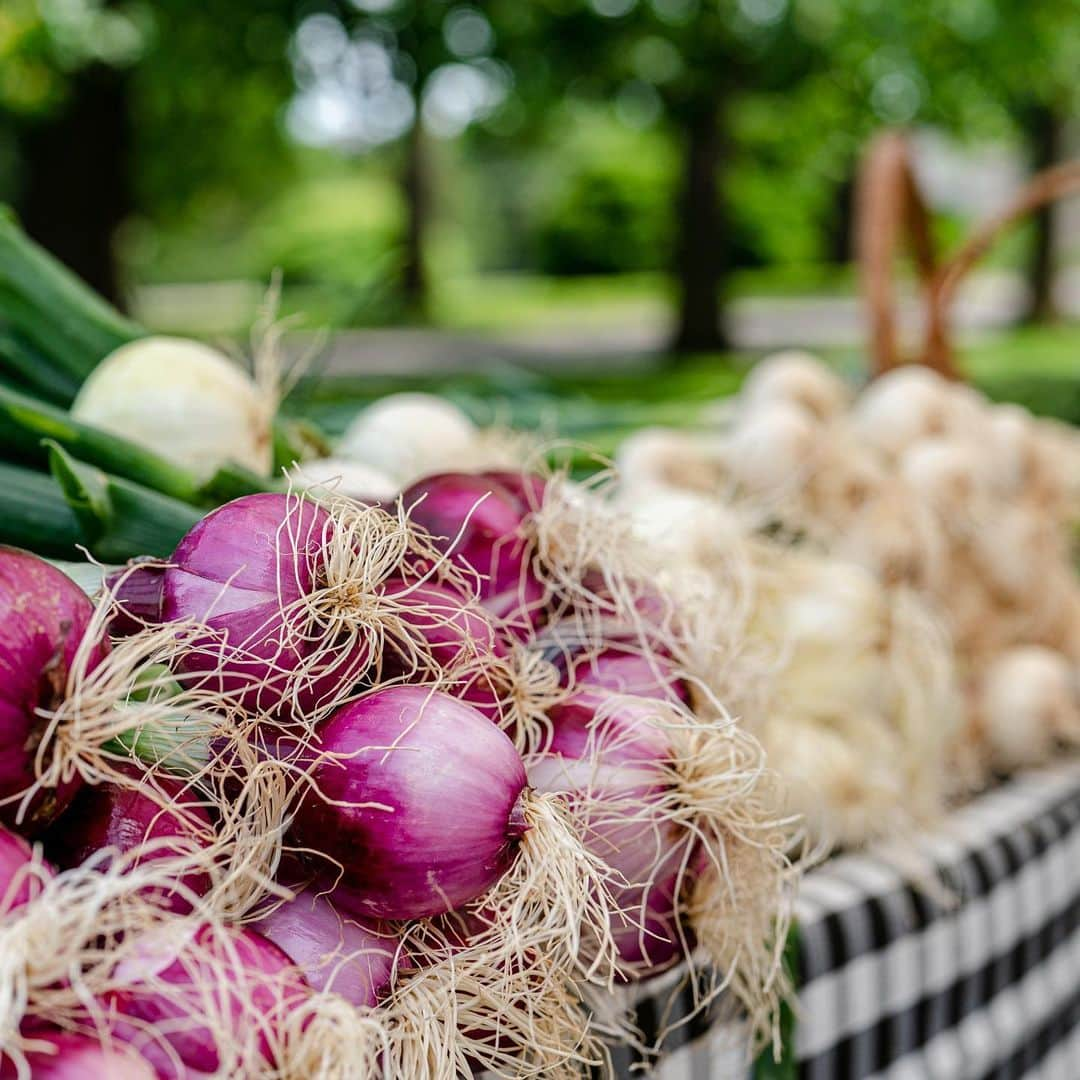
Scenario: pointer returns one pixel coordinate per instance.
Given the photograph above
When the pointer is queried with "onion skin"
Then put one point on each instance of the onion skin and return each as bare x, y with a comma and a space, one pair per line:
79, 1057
352, 957
16, 853
615, 671
460, 636
478, 521
235, 571
260, 980
43, 617
454, 630
620, 761
448, 784
125, 817
137, 590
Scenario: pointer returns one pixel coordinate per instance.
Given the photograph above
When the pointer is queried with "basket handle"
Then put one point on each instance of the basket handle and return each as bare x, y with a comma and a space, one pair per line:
1058, 182
889, 209
887, 200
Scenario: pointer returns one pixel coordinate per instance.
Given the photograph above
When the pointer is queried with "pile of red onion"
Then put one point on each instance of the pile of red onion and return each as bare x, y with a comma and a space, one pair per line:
443, 794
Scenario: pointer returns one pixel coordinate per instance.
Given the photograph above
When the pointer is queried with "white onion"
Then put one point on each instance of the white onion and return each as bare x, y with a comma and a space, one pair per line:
844, 781
184, 400
408, 435
685, 524
798, 378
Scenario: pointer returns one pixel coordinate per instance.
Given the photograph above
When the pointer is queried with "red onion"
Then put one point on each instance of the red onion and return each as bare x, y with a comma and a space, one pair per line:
79, 1057
639, 674
245, 982
478, 521
126, 817
454, 631
469, 653
618, 765
43, 617
245, 570
352, 957
19, 884
421, 802
136, 590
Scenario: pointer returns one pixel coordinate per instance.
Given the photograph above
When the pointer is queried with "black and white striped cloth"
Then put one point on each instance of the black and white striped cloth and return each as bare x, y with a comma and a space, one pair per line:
897, 986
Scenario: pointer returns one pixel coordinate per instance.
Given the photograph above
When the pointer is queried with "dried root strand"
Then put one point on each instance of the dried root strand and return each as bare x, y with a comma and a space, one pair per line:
741, 903
556, 897
470, 1006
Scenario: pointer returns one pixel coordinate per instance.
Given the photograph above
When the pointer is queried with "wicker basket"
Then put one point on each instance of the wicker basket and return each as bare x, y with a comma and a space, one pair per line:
890, 209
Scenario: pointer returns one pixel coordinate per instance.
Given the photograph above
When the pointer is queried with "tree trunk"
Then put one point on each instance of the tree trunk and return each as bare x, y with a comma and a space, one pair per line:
839, 237
1044, 130
415, 183
76, 180
700, 257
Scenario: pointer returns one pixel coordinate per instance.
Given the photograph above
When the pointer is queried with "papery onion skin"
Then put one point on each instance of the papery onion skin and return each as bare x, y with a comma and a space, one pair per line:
79, 1057
478, 523
338, 952
162, 1000
236, 571
136, 589
459, 636
15, 854
43, 617
620, 762
122, 817
453, 630
613, 670
448, 785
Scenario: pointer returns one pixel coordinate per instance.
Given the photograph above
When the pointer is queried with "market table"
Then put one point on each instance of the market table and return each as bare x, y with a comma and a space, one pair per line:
898, 985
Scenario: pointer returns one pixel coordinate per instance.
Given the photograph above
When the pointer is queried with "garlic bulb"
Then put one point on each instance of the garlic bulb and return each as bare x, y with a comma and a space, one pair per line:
1027, 698
798, 378
907, 404
664, 458
186, 401
772, 449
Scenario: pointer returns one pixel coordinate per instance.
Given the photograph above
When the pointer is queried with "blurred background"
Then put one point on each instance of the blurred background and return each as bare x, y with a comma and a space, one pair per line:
543, 197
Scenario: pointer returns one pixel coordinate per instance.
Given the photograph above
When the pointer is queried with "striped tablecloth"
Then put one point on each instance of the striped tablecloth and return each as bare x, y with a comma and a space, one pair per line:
898, 986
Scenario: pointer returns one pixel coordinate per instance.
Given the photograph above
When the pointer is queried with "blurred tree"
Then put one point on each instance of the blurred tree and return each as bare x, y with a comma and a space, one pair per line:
977, 68
684, 65
122, 106
65, 74
377, 72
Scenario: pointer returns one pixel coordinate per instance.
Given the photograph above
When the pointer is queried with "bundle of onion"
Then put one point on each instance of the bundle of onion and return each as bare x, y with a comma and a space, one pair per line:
436, 798
684, 813
297, 601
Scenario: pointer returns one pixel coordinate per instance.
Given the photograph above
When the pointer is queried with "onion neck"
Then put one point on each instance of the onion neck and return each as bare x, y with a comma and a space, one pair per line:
518, 824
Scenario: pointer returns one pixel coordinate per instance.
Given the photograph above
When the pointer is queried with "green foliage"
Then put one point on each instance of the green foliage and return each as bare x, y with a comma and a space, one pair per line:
600, 202
42, 45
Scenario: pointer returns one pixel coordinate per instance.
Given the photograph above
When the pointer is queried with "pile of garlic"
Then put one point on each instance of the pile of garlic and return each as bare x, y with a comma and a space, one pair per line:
955, 506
